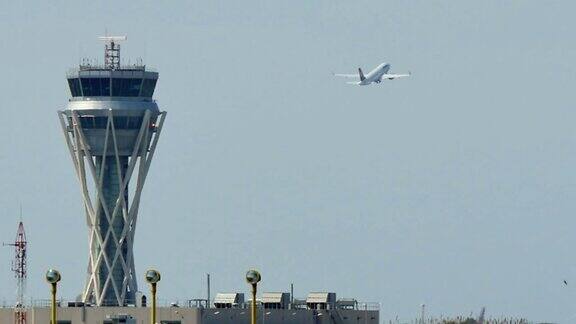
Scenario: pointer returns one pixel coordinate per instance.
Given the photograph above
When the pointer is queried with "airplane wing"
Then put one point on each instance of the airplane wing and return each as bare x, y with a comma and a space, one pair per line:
354, 83
346, 75
394, 76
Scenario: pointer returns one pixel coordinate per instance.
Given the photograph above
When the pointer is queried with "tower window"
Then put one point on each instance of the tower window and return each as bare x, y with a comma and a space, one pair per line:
95, 87
116, 87
101, 122
105, 86
148, 87
126, 87
74, 85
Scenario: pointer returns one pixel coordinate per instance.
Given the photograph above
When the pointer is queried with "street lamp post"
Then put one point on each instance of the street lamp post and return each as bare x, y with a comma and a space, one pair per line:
53, 276
253, 277
152, 277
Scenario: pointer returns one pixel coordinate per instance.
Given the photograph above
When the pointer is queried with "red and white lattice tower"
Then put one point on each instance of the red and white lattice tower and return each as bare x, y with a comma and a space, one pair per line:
19, 268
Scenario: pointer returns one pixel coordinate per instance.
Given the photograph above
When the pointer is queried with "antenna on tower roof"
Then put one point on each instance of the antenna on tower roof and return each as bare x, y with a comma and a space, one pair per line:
112, 51
113, 38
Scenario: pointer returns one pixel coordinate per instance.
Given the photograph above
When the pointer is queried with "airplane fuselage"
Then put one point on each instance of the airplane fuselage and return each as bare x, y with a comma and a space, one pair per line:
376, 74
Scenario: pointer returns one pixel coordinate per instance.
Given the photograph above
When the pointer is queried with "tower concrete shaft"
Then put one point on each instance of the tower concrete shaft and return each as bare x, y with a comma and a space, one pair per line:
111, 127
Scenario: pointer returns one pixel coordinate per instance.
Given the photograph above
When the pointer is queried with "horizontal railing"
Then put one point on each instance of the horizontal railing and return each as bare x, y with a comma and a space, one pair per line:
141, 68
187, 303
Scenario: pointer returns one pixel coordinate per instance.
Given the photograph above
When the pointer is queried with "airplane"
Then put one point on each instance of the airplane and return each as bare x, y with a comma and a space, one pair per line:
375, 76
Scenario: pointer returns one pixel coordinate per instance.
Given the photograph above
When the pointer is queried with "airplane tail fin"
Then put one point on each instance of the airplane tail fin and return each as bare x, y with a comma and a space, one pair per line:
362, 77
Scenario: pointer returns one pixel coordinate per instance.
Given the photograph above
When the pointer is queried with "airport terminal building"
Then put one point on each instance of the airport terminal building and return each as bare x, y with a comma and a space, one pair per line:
226, 308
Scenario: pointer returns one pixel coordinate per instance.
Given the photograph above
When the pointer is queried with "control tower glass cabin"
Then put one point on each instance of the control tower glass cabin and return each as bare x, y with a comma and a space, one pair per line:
111, 126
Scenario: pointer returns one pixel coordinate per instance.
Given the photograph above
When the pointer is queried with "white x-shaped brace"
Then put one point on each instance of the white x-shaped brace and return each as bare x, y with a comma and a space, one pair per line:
81, 154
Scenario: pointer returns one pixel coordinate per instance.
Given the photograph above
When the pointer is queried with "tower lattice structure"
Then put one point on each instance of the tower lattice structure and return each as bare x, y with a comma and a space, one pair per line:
111, 126
19, 267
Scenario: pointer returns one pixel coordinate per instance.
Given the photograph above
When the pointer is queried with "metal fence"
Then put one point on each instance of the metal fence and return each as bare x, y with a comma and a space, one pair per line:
186, 303
461, 320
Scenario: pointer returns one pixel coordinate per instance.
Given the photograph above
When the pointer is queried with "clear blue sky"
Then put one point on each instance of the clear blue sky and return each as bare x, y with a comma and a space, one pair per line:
455, 188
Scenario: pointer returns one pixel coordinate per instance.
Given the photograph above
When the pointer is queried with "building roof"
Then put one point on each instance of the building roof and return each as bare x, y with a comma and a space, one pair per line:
321, 297
274, 297
229, 298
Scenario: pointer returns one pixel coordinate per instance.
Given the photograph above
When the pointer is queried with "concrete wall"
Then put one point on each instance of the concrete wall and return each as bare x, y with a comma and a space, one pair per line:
96, 315
6, 315
290, 316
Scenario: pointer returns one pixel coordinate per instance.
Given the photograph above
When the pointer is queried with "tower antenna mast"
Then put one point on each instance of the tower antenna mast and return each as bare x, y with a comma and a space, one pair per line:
112, 51
19, 267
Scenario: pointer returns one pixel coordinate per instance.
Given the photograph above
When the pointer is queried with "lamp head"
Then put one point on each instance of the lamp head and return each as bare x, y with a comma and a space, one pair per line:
152, 276
253, 277
53, 276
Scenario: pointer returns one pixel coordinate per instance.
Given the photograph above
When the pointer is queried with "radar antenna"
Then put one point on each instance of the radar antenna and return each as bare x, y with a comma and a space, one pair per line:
112, 51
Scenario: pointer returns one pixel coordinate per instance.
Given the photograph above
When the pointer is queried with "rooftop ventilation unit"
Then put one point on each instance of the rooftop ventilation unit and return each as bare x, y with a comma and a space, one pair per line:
321, 300
275, 300
229, 300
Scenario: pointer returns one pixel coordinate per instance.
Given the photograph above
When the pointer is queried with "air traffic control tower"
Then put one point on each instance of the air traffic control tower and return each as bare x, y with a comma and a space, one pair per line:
111, 126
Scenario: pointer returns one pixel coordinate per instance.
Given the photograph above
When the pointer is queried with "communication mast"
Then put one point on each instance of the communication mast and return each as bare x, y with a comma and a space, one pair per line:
112, 51
19, 269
